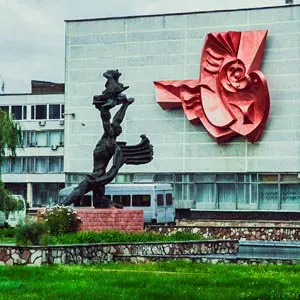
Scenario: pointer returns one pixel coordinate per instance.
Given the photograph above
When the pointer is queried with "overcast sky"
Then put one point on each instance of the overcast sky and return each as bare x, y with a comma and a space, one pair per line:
32, 31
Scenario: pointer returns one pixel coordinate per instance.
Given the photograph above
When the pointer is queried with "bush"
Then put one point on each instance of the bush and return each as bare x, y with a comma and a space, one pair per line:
7, 232
31, 233
60, 219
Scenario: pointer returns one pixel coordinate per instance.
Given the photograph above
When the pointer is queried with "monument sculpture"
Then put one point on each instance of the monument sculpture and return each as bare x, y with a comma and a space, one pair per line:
107, 147
231, 96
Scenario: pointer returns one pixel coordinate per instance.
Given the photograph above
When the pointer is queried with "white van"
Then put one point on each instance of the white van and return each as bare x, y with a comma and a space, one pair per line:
156, 200
14, 217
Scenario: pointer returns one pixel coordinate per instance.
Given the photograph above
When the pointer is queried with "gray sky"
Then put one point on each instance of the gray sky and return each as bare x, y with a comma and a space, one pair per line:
32, 31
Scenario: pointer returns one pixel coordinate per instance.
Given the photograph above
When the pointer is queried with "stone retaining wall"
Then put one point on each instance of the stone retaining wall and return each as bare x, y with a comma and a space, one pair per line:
103, 253
235, 233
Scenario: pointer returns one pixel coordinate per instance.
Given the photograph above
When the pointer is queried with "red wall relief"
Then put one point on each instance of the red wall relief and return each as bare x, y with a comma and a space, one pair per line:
231, 96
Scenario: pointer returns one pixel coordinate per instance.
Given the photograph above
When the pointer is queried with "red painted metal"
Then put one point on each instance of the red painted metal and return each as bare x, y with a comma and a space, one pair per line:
231, 96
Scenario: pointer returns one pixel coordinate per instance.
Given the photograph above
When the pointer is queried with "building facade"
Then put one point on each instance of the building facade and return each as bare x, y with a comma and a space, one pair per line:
237, 175
37, 171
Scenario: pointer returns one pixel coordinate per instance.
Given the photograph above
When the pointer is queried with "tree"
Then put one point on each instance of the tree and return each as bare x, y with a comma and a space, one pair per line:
10, 138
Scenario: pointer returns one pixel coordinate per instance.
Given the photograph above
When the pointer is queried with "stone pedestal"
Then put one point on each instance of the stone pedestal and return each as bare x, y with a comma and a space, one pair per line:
93, 219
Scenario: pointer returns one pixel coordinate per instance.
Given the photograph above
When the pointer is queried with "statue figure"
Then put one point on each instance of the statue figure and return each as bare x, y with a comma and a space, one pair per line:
107, 147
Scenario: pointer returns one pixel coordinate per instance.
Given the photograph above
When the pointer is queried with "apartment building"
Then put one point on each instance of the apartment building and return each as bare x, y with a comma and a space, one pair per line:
37, 172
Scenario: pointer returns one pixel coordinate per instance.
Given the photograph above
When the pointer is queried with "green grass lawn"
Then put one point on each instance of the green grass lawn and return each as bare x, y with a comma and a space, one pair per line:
169, 280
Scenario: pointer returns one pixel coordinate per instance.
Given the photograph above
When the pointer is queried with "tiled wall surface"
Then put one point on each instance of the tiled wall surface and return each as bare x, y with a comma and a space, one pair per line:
168, 47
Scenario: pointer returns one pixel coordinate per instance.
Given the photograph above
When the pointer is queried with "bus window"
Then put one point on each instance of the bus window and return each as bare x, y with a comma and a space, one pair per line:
141, 200
169, 199
122, 199
160, 200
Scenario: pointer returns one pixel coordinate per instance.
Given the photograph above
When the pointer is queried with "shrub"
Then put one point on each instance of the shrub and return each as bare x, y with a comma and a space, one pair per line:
7, 232
31, 233
114, 236
61, 219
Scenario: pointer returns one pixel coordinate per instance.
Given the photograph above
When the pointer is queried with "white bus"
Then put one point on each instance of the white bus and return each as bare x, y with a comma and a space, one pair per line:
156, 200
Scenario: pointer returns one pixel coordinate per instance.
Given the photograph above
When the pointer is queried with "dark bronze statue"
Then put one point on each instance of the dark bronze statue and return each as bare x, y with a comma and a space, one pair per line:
108, 148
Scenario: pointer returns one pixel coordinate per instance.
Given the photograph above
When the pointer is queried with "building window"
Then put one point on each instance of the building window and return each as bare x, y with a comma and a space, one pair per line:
55, 138
16, 111
46, 193
54, 111
40, 112
39, 165
5, 166
24, 112
54, 164
16, 165
62, 111
42, 138
234, 191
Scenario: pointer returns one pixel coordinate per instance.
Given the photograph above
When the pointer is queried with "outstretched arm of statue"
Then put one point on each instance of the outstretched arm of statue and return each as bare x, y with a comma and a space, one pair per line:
120, 114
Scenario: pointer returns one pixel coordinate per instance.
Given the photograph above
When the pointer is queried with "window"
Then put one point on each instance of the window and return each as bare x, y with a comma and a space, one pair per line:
41, 165
141, 200
41, 139
5, 166
54, 164
268, 195
122, 199
16, 165
54, 111
30, 161
226, 195
55, 137
160, 200
16, 111
62, 111
169, 199
205, 195
164, 178
24, 112
45, 193
40, 112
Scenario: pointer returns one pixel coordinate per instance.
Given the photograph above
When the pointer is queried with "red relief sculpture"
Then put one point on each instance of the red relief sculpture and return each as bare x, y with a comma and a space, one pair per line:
231, 96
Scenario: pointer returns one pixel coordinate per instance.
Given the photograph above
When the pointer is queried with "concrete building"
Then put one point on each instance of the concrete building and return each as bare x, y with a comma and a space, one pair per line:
234, 176
37, 171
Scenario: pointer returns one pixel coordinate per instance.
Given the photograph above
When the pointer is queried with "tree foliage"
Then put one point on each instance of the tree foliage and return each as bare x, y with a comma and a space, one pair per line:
10, 138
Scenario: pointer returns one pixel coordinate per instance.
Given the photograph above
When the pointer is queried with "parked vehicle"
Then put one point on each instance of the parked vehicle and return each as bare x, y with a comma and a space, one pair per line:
14, 217
156, 200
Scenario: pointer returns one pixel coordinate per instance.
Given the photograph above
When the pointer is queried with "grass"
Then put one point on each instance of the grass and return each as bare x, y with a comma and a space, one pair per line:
108, 236
168, 280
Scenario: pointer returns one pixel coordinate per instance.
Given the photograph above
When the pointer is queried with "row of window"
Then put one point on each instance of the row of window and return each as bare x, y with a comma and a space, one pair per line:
140, 200
43, 193
40, 165
225, 191
48, 138
37, 111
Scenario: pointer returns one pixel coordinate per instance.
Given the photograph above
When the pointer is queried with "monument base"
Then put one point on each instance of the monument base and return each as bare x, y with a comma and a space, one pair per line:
93, 219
